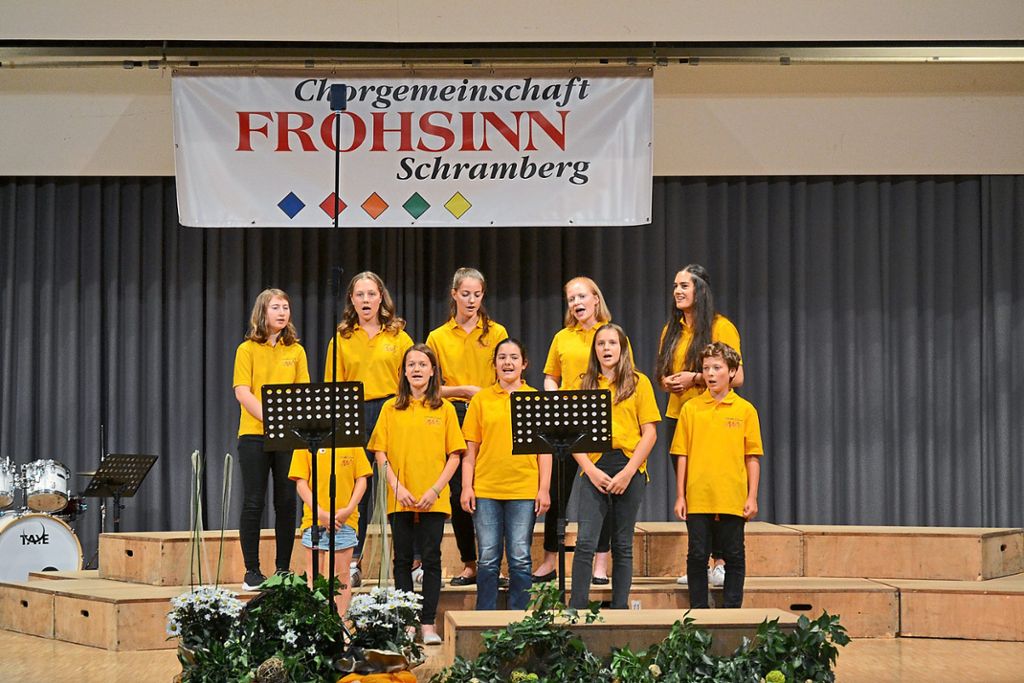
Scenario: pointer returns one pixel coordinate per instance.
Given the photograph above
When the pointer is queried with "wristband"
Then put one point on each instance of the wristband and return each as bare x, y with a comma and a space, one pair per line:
436, 492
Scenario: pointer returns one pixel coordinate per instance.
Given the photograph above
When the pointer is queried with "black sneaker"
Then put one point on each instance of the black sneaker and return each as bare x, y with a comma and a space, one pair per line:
253, 579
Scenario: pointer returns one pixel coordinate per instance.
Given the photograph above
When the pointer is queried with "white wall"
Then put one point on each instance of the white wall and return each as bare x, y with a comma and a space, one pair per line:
462, 21
709, 120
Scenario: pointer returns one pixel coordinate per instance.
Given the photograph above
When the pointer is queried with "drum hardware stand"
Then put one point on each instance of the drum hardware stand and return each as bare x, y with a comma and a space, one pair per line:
118, 476
561, 423
303, 416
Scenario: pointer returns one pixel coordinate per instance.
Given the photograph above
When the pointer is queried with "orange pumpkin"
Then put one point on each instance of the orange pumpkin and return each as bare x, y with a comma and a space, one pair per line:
396, 677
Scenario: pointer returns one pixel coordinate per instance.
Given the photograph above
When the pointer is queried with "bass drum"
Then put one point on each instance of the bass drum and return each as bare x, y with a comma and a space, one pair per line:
36, 542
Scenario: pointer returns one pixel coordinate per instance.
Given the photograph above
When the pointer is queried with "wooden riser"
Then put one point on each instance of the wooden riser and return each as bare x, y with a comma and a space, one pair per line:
994, 610
771, 550
637, 629
925, 553
867, 609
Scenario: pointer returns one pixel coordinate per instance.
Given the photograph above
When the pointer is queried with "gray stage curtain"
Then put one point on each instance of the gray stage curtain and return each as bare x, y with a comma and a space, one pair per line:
882, 322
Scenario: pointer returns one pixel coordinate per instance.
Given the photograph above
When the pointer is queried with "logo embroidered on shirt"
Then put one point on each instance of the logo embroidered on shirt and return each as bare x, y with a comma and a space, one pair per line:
733, 423
432, 421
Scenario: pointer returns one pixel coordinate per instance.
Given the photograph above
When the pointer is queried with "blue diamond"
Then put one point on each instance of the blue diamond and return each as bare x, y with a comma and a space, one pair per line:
291, 205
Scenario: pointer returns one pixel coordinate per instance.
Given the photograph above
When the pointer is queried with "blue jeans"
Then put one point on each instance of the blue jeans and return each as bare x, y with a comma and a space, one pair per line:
503, 526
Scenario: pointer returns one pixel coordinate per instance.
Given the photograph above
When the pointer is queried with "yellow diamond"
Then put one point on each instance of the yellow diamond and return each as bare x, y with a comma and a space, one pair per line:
457, 205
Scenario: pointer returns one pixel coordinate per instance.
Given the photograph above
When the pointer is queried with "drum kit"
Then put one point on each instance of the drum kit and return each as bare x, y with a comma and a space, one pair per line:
38, 536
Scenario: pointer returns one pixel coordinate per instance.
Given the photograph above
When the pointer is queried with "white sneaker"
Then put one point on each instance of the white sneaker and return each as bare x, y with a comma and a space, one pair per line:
355, 577
417, 575
682, 580
716, 575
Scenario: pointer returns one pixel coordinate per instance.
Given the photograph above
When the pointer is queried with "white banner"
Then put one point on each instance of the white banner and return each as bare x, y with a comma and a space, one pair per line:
415, 150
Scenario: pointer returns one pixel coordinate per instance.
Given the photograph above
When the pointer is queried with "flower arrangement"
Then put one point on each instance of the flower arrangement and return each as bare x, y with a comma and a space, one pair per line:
543, 648
384, 618
202, 615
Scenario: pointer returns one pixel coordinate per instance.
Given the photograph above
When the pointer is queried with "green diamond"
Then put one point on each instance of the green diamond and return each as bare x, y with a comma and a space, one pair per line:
416, 205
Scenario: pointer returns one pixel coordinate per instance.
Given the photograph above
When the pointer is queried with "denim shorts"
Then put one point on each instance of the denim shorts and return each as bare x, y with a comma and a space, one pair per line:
344, 538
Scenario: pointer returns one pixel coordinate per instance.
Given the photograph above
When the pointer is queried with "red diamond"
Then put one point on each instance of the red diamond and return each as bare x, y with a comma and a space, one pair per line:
374, 205
332, 206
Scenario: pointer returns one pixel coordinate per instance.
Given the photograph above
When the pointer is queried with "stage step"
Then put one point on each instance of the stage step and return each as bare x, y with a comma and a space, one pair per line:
771, 550
112, 615
163, 558
80, 574
637, 629
868, 609
925, 553
986, 610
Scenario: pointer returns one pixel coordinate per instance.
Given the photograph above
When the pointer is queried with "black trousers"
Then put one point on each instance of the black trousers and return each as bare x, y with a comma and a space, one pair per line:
560, 491
462, 521
255, 464
725, 531
405, 530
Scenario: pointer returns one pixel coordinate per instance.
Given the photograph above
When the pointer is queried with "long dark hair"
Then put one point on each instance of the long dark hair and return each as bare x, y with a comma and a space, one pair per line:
432, 395
453, 308
703, 318
625, 379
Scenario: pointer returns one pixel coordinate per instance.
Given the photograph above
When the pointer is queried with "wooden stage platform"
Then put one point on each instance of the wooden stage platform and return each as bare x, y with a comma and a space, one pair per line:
884, 582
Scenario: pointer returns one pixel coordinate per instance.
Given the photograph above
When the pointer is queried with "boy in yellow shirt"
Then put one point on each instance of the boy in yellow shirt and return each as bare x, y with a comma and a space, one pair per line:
718, 441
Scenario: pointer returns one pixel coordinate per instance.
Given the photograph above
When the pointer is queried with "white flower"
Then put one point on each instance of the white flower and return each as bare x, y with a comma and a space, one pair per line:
290, 637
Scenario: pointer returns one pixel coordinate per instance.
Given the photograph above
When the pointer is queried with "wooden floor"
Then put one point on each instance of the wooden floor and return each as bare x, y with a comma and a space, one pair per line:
28, 659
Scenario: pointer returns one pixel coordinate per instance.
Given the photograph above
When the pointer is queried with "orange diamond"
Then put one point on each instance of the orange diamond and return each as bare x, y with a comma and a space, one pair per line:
457, 205
374, 206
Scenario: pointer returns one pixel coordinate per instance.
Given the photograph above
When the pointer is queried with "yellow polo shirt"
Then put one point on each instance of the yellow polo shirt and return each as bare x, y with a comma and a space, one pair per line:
258, 364
716, 438
418, 441
498, 475
628, 415
722, 330
569, 354
374, 362
349, 465
464, 360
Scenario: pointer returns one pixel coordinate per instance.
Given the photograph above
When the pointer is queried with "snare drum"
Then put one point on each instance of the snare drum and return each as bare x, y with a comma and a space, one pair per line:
7, 483
46, 485
35, 542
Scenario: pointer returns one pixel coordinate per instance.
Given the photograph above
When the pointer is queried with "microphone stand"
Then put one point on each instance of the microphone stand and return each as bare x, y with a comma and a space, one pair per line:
338, 105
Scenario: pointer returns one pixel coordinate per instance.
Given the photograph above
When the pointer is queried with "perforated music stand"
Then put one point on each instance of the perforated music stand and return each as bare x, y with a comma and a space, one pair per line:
119, 476
304, 416
561, 423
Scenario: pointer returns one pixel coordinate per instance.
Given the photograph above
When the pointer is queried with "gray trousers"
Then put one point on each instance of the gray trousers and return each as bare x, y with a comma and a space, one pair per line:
621, 510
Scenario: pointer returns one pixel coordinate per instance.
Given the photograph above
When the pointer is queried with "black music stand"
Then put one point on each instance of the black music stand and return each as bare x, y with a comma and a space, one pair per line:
562, 423
119, 476
304, 416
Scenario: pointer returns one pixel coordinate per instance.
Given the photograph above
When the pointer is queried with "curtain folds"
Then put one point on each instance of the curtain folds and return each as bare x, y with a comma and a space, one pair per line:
882, 323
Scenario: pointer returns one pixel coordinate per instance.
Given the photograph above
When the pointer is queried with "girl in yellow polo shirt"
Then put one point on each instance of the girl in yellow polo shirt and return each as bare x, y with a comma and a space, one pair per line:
465, 348
692, 325
586, 310
615, 481
418, 437
270, 354
368, 348
503, 492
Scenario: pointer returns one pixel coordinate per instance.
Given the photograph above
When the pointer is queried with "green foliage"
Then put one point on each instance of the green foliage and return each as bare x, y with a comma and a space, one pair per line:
539, 648
543, 648
286, 620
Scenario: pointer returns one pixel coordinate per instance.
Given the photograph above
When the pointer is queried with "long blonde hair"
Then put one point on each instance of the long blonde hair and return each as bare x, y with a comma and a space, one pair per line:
453, 308
624, 378
603, 314
389, 322
258, 331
